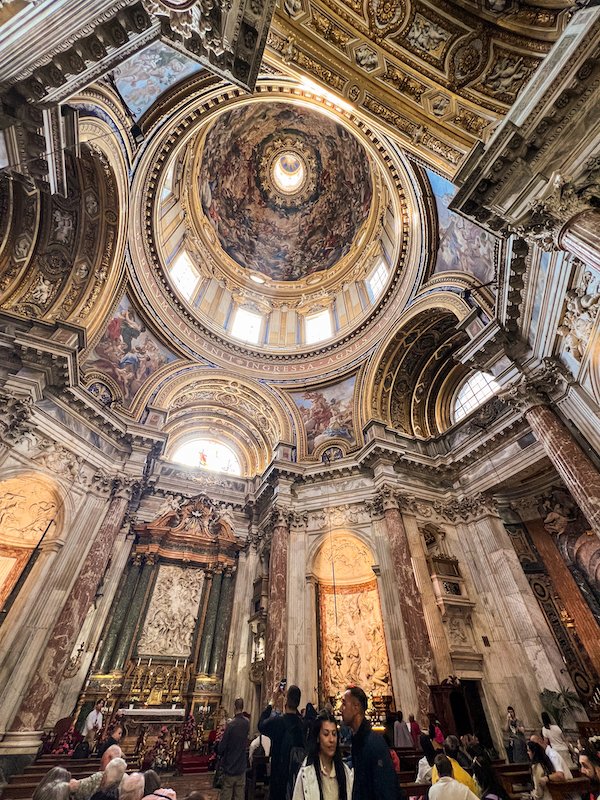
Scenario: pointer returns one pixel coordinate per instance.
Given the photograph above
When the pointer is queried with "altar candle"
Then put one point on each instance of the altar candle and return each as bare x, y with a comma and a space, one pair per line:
149, 661
185, 665
139, 661
176, 663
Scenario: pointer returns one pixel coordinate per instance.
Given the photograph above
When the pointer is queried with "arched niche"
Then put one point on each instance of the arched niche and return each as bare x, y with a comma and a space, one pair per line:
351, 638
31, 508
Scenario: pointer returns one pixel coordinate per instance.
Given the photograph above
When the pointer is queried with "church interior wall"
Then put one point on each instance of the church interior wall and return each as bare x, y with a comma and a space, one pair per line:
171, 575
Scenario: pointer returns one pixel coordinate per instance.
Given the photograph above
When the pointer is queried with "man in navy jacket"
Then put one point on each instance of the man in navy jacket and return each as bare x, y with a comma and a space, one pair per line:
374, 776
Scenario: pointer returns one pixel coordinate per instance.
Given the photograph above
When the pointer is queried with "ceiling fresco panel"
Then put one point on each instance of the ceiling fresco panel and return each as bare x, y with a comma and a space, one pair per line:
285, 238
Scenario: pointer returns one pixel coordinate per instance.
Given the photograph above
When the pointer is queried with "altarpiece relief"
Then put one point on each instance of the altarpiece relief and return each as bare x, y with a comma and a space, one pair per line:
171, 618
351, 633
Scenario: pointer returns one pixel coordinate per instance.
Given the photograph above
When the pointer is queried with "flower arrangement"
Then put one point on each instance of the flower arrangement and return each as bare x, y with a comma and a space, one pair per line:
67, 742
161, 752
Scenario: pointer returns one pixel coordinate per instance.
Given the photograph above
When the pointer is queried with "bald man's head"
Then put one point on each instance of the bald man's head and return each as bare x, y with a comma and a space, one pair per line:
114, 751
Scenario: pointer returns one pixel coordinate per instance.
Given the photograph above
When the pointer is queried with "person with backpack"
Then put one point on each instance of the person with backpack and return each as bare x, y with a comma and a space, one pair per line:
323, 775
286, 733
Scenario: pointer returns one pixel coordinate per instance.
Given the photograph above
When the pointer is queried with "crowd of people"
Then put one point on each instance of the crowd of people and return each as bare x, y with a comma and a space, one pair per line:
110, 782
306, 760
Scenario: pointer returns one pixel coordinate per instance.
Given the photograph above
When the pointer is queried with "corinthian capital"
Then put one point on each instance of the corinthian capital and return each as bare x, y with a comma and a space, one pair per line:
466, 509
539, 388
281, 516
15, 416
125, 485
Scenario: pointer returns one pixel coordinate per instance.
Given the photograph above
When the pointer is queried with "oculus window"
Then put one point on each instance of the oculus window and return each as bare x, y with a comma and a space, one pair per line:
208, 454
474, 392
317, 327
288, 172
246, 325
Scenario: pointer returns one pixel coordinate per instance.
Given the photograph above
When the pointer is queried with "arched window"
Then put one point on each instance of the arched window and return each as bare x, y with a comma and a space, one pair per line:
477, 388
208, 454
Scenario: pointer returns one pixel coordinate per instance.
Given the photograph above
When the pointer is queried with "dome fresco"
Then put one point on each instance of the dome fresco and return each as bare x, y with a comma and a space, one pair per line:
286, 189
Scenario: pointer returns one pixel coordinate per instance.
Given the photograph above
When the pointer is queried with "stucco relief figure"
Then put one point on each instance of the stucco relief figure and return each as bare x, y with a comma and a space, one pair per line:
63, 226
353, 663
506, 74
26, 509
378, 662
426, 35
556, 520
579, 317
457, 632
172, 613
41, 291
170, 505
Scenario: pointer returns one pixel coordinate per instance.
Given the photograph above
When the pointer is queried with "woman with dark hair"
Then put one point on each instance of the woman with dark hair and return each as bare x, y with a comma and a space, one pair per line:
487, 780
541, 769
553, 734
323, 775
425, 764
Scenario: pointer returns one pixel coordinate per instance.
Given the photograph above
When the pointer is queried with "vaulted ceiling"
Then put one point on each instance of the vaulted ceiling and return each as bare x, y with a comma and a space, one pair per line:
438, 74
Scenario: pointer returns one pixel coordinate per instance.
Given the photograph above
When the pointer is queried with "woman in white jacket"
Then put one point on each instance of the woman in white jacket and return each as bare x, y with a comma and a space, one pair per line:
323, 775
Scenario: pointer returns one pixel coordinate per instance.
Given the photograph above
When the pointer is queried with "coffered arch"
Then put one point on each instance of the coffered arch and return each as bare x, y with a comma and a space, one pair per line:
412, 377
242, 414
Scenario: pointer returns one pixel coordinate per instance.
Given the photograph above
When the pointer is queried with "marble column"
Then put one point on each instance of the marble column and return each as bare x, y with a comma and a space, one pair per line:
217, 657
276, 643
210, 622
131, 621
38, 698
121, 610
581, 236
409, 600
576, 469
206, 587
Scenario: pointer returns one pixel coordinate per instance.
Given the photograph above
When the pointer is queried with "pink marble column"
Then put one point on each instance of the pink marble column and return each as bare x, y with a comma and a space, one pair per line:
39, 696
576, 469
411, 606
276, 640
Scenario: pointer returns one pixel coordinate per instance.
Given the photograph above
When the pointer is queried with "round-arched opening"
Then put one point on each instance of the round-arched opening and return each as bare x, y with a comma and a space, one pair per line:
208, 454
352, 638
473, 393
31, 509
289, 172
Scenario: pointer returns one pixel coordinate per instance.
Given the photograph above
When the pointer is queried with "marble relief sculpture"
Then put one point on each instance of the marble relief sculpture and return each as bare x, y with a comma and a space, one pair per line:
171, 617
581, 311
354, 631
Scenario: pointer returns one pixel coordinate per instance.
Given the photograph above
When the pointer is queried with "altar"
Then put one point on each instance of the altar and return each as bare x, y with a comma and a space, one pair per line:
143, 715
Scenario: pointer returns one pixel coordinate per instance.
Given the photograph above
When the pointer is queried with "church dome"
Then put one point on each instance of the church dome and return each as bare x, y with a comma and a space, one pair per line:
286, 189
279, 227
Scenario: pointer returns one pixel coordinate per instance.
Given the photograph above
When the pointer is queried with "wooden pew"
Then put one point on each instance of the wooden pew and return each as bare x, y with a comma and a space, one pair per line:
562, 789
413, 789
515, 778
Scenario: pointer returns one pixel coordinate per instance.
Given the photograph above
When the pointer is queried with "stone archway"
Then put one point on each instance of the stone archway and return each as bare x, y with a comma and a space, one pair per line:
351, 638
